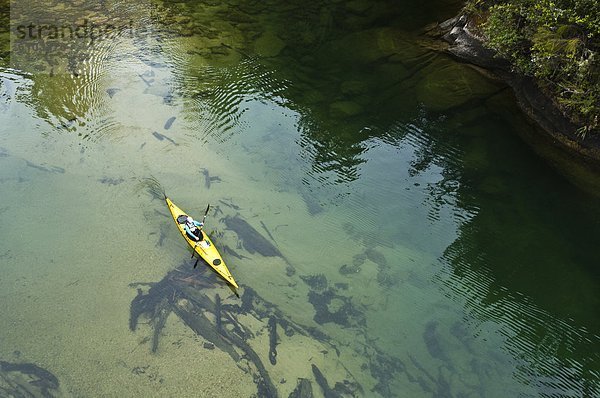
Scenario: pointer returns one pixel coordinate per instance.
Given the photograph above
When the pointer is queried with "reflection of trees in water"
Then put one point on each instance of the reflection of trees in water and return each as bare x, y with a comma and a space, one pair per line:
222, 92
518, 266
332, 63
526, 279
308, 70
62, 51
329, 150
520, 260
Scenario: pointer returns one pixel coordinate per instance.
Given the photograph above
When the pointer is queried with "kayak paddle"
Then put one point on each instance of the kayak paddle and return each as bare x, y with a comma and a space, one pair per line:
205, 213
203, 218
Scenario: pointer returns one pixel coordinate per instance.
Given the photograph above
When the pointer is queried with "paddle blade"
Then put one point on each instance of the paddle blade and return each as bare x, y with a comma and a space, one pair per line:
196, 263
205, 213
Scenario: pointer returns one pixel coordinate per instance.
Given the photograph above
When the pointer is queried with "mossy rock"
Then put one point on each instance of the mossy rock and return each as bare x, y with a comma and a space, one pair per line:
269, 45
493, 185
358, 6
503, 104
366, 46
452, 85
343, 109
311, 97
222, 26
465, 121
236, 16
353, 87
391, 73
220, 56
476, 156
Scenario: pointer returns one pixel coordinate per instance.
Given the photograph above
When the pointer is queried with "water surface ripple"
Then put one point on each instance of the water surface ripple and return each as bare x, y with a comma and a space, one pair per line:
392, 234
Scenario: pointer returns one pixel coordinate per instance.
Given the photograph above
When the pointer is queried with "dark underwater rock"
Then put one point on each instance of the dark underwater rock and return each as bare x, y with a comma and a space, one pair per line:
169, 122
432, 342
359, 259
303, 389
451, 86
208, 345
177, 292
111, 181
269, 44
251, 239
342, 313
27, 380
347, 388
349, 269
312, 204
376, 257
272, 326
367, 46
231, 252
185, 292
322, 382
208, 179
162, 137
47, 169
112, 91
316, 282
189, 294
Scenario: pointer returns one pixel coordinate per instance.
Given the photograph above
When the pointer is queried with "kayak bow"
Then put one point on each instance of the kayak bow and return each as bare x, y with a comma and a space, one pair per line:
205, 248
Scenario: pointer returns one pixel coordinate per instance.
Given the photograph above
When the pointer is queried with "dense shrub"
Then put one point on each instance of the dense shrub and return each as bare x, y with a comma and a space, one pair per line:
556, 41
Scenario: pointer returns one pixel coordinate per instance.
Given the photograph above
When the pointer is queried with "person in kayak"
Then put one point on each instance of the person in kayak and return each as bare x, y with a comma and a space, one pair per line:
193, 228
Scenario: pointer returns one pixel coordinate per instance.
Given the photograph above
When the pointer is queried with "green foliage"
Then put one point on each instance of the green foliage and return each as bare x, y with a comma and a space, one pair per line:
557, 41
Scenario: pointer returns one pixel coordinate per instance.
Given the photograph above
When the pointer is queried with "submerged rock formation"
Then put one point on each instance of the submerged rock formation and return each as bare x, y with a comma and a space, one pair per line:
252, 331
223, 323
27, 380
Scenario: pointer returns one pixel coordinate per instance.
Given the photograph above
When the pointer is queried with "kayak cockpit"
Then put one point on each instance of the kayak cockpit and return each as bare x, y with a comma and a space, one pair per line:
196, 236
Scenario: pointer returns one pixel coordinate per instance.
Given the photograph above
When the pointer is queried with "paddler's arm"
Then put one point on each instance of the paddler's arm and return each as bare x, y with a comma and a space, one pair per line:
188, 231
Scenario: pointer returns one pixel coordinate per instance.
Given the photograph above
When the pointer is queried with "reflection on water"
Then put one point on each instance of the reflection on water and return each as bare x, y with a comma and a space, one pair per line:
222, 93
422, 249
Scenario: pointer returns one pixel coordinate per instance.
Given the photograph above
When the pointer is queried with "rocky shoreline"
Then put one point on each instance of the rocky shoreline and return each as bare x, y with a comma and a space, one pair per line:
541, 108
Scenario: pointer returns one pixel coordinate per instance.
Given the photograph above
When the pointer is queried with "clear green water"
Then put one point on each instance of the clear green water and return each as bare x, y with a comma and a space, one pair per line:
474, 263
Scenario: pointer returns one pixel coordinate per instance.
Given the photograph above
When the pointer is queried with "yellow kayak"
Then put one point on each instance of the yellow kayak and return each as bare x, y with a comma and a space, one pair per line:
205, 248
